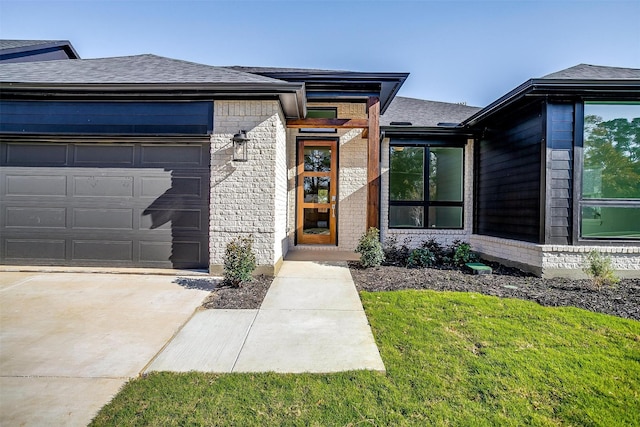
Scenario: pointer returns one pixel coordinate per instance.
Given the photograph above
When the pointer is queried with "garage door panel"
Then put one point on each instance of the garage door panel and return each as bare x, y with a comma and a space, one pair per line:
35, 217
186, 252
154, 251
175, 155
113, 219
34, 154
87, 213
103, 186
98, 155
154, 186
92, 250
39, 249
35, 185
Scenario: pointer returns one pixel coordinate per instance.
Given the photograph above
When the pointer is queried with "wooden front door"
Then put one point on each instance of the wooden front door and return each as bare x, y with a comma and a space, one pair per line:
317, 192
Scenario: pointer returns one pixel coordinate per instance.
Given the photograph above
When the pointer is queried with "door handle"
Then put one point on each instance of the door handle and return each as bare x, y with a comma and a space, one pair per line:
333, 210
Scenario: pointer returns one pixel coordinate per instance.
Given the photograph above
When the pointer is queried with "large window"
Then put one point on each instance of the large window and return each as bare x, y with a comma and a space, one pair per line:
610, 202
426, 186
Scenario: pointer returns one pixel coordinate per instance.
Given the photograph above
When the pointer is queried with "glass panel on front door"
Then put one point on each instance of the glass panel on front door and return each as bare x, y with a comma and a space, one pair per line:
316, 218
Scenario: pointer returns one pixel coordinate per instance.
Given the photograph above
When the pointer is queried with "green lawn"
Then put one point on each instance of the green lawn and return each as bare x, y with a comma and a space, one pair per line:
452, 359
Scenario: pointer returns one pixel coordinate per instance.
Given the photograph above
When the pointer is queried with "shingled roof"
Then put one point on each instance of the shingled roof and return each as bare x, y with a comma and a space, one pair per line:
138, 69
423, 113
594, 72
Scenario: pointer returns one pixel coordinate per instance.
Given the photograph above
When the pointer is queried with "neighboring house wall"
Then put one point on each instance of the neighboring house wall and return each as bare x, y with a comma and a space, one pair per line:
508, 170
249, 198
352, 178
415, 237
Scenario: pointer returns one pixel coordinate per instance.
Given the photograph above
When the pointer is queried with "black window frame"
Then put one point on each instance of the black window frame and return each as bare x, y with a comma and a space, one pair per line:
426, 203
579, 201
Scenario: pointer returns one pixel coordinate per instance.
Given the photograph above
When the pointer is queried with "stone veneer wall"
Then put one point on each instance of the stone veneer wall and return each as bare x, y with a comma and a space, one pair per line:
555, 260
352, 178
249, 197
415, 237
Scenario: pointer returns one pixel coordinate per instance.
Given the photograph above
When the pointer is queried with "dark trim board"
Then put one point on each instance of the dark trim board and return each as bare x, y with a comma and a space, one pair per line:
100, 117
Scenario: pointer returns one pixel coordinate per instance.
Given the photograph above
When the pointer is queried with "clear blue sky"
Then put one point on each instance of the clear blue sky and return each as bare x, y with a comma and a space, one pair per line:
471, 51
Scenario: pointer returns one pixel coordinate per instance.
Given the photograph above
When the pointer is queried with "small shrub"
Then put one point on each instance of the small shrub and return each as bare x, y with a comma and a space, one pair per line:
370, 249
598, 267
462, 253
420, 258
439, 252
394, 254
239, 261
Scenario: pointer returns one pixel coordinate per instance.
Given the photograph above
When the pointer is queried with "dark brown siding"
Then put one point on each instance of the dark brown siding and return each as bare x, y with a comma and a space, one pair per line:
560, 129
508, 177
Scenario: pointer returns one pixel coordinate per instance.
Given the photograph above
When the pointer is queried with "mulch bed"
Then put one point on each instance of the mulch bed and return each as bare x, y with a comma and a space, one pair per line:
621, 300
248, 296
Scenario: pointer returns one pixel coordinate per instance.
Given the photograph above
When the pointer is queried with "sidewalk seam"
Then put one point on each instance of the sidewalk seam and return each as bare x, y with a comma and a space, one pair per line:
166, 344
21, 282
244, 341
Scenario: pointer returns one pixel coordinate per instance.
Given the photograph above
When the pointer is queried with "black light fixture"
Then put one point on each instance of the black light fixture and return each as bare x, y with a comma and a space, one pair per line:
240, 146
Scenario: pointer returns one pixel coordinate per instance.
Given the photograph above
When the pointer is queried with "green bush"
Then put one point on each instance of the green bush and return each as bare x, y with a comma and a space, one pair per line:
370, 249
420, 258
439, 252
394, 254
598, 267
239, 261
462, 253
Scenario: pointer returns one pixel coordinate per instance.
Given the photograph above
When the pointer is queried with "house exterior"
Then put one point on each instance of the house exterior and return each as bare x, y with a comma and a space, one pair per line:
143, 161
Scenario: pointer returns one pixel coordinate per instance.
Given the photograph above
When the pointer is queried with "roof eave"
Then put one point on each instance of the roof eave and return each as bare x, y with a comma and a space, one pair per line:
560, 88
65, 44
390, 83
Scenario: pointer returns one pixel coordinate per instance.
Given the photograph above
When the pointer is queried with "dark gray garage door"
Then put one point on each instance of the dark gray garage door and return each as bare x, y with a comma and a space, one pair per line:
126, 204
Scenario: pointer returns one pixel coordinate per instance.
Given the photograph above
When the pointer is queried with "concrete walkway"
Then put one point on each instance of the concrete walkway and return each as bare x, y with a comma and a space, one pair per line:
311, 320
70, 341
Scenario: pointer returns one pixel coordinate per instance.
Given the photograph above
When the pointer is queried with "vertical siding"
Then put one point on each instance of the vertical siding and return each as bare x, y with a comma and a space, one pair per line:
508, 179
560, 136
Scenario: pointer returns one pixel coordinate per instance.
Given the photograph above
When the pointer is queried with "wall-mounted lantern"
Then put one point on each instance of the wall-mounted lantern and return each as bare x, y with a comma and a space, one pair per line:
240, 141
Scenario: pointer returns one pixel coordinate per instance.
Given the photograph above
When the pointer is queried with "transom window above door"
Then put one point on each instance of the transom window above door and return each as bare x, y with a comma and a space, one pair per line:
321, 113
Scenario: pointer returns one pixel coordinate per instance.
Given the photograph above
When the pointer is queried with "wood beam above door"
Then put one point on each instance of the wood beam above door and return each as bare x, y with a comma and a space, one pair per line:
328, 123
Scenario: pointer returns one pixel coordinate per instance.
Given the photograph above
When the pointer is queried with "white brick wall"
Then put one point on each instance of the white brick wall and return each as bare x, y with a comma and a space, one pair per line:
247, 197
415, 237
352, 178
555, 260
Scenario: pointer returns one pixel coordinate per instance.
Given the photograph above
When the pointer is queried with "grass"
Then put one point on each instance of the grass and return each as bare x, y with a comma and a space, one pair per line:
452, 359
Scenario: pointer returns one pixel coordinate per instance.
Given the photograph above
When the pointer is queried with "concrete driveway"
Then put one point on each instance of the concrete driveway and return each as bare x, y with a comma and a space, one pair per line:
69, 341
